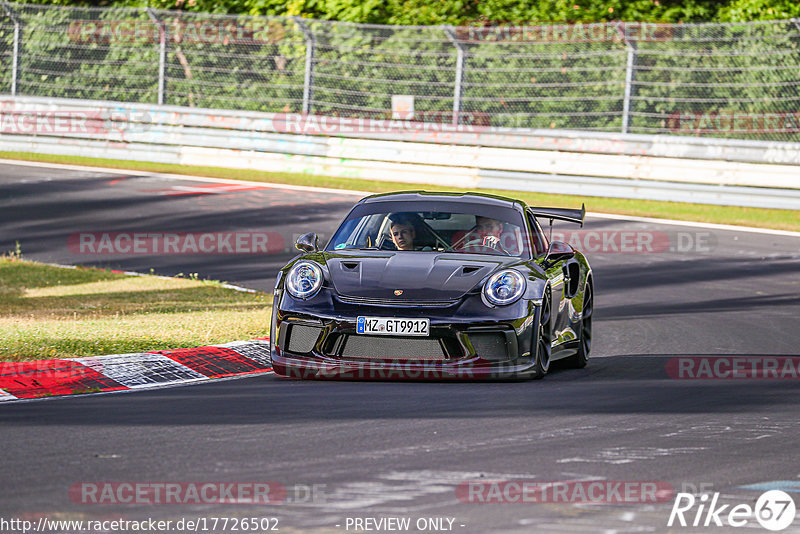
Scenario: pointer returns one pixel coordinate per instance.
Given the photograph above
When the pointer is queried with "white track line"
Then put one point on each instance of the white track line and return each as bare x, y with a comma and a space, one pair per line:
712, 226
731, 227
185, 177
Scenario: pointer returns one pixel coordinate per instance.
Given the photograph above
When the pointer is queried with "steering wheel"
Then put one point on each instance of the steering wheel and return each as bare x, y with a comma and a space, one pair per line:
485, 244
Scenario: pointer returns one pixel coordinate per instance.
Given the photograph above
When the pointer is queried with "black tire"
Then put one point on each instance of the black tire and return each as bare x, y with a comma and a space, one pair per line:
543, 339
581, 358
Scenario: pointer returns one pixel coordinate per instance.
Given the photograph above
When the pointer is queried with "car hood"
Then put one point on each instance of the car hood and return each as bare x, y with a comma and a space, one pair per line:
420, 276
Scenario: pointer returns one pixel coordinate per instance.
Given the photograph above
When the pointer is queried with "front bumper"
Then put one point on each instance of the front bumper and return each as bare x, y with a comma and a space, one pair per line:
320, 341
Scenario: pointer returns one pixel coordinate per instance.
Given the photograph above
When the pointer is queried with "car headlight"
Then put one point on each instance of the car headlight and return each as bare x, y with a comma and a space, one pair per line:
504, 287
304, 280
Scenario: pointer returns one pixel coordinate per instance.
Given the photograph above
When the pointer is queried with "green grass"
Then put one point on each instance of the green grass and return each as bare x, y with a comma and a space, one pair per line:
758, 217
53, 312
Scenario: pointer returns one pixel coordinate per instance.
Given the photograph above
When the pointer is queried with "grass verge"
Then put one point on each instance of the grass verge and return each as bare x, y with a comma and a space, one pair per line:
758, 217
53, 312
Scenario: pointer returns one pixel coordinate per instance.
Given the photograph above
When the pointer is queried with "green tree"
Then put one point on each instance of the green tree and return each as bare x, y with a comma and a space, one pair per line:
749, 10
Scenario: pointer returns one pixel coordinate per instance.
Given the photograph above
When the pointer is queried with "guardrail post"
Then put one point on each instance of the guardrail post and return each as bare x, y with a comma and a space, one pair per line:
15, 53
162, 54
629, 76
460, 59
308, 77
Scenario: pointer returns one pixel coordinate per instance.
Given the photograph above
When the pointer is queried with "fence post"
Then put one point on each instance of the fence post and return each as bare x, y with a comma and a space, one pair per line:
162, 55
15, 57
622, 28
308, 77
448, 30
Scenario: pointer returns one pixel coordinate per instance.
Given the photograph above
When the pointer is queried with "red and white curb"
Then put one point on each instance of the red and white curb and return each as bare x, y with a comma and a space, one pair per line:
117, 372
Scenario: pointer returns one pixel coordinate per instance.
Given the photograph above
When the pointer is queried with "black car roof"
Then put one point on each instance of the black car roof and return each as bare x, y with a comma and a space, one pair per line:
466, 198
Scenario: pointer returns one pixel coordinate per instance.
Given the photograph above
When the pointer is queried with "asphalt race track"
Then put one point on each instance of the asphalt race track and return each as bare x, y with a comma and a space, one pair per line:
350, 450
44, 208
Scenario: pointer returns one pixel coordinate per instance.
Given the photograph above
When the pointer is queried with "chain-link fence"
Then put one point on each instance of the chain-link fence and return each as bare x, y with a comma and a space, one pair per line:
729, 80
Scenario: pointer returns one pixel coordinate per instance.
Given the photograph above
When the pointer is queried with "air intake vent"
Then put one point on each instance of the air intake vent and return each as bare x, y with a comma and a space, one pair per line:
302, 338
469, 269
350, 265
392, 348
490, 346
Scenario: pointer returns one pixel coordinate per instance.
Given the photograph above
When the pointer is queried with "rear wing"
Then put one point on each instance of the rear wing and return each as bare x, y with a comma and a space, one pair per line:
561, 214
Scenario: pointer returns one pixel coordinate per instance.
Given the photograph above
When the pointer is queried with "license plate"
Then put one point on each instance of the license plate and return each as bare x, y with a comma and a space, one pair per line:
392, 326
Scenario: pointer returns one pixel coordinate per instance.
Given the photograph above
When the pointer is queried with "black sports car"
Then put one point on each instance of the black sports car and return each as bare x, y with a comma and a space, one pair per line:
434, 285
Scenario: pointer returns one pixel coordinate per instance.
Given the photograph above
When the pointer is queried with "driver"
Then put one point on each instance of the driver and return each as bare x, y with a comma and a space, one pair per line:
402, 231
489, 229
485, 234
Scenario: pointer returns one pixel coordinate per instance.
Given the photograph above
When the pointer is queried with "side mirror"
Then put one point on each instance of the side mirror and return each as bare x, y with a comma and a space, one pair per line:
307, 242
559, 251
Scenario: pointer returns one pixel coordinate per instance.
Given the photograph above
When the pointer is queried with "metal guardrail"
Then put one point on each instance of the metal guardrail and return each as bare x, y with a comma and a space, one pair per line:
733, 172
775, 152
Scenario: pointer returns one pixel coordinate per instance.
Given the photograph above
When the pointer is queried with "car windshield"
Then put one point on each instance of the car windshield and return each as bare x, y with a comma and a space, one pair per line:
433, 226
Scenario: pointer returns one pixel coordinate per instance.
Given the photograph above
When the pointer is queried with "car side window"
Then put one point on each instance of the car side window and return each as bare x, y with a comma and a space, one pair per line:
542, 237
537, 236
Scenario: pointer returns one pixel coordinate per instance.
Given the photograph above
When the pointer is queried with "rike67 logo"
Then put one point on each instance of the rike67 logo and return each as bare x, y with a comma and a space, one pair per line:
774, 510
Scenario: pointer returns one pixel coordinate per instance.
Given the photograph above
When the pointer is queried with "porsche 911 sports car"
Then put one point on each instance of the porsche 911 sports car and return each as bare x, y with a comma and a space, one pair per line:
424, 285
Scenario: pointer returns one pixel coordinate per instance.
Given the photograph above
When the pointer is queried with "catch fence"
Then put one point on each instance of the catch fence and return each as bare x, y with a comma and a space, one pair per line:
739, 80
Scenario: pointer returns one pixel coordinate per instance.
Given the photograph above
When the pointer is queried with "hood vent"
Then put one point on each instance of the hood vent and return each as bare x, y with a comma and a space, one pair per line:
423, 277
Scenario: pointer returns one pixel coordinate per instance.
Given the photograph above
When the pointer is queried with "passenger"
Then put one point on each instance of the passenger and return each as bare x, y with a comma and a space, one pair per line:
402, 230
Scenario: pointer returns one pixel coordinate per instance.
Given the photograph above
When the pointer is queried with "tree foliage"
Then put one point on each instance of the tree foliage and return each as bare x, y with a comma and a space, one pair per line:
467, 12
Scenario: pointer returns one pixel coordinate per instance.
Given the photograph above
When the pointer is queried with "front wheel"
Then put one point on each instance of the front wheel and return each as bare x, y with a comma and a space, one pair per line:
544, 340
581, 358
